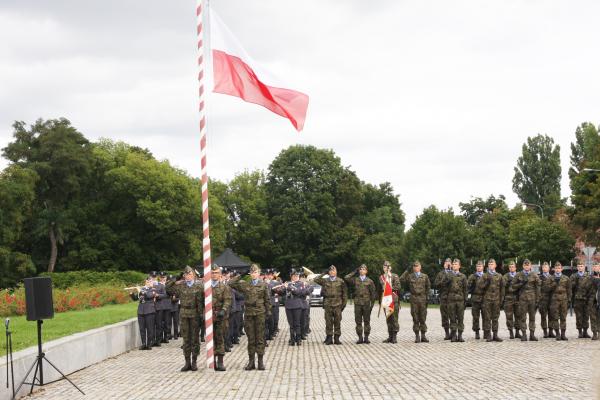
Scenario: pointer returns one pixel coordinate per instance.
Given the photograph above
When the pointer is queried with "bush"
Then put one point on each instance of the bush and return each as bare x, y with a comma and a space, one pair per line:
64, 280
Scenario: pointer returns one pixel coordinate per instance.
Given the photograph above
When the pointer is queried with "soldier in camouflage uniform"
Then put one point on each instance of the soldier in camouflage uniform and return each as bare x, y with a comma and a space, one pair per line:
492, 299
365, 295
546, 289
510, 302
476, 289
593, 305
527, 285
419, 286
336, 295
392, 320
457, 297
443, 293
258, 309
191, 298
581, 290
559, 302
221, 303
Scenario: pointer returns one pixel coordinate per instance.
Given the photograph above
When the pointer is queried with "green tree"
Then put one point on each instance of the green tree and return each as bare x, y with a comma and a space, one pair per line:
538, 173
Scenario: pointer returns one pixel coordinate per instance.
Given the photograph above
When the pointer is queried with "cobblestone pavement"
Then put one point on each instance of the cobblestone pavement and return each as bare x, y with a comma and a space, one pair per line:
437, 370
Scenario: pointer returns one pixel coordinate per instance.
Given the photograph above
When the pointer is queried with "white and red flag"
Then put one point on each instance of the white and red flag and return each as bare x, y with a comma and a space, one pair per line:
387, 300
236, 74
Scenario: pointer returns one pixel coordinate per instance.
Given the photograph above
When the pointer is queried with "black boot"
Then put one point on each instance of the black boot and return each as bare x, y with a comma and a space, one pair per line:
220, 366
580, 335
551, 333
487, 336
337, 339
394, 337
292, 341
298, 340
424, 338
261, 365
194, 366
477, 334
417, 337
453, 336
517, 333
545, 333
532, 337
511, 333
496, 338
188, 365
558, 335
328, 340
389, 339
562, 334
447, 330
523, 336
250, 366
586, 335
360, 340
595, 335
460, 338
366, 339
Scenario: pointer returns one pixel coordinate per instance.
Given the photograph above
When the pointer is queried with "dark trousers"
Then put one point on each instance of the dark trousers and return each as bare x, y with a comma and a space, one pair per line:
305, 321
146, 325
294, 317
233, 327
174, 321
162, 323
275, 313
269, 327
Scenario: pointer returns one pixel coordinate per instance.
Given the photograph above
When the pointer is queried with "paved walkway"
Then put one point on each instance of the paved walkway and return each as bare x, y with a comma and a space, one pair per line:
438, 370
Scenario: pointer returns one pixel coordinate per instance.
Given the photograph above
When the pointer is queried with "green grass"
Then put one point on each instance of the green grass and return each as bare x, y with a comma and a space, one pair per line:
24, 333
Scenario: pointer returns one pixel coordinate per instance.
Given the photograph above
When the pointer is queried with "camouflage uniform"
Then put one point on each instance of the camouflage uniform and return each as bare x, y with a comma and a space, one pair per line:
581, 290
593, 305
457, 296
221, 303
527, 286
559, 303
511, 306
392, 320
546, 288
443, 293
476, 287
419, 287
336, 295
365, 295
492, 298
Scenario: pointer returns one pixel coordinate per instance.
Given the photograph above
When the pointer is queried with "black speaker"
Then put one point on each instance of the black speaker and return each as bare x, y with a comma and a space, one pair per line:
38, 298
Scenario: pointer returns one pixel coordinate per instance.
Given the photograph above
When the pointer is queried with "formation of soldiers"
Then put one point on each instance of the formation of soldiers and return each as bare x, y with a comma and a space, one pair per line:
251, 306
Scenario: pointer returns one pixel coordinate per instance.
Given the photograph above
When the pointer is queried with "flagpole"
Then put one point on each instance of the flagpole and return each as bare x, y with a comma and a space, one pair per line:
201, 15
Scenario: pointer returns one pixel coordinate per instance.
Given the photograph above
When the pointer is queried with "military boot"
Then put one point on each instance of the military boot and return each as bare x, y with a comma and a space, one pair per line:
394, 336
298, 340
595, 335
336, 339
511, 333
328, 340
460, 338
424, 338
580, 335
453, 336
389, 339
194, 366
367, 339
586, 335
562, 334
292, 341
545, 333
220, 366
487, 336
523, 336
496, 338
551, 333
360, 340
477, 334
532, 336
557, 335
250, 366
261, 365
417, 337
187, 365
518, 334
447, 330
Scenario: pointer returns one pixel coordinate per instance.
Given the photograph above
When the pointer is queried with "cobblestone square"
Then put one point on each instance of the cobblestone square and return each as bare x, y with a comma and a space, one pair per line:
547, 369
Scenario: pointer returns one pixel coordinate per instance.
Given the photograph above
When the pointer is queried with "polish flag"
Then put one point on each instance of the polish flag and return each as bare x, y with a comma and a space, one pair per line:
387, 301
236, 74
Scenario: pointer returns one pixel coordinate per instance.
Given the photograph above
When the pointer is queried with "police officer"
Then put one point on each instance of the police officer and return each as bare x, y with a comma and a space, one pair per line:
365, 295
394, 281
258, 308
559, 302
546, 289
336, 295
295, 292
476, 289
528, 289
510, 302
443, 293
191, 295
146, 313
492, 298
581, 290
457, 297
419, 286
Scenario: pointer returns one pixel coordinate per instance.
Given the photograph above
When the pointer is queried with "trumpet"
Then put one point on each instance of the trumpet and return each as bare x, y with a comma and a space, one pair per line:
138, 288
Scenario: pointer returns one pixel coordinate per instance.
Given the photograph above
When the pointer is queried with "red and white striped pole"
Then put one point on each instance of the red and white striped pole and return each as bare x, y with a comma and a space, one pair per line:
208, 317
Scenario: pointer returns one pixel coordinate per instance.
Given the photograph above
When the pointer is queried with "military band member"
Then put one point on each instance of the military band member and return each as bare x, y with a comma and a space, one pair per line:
146, 313
559, 302
392, 320
270, 322
295, 292
163, 308
546, 289
581, 292
457, 297
258, 308
306, 306
492, 299
443, 295
476, 289
419, 286
336, 295
174, 313
365, 295
528, 289
510, 302
191, 295
593, 301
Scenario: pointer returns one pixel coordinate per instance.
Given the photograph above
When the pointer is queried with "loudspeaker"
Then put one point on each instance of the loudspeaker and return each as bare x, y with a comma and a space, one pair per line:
38, 298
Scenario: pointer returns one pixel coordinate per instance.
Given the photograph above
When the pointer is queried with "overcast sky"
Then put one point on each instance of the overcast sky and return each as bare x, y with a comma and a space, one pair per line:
435, 97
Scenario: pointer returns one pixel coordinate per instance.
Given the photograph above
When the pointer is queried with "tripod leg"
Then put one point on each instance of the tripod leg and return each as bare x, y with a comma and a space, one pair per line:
27, 375
63, 375
37, 366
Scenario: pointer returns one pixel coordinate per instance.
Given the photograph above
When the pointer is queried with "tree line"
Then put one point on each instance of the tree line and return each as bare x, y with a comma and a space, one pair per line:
68, 204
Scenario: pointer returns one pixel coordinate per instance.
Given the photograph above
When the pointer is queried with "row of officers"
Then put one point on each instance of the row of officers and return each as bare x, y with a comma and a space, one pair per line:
252, 305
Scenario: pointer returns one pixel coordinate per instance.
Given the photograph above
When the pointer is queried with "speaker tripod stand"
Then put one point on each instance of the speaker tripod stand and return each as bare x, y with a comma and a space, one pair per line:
38, 364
